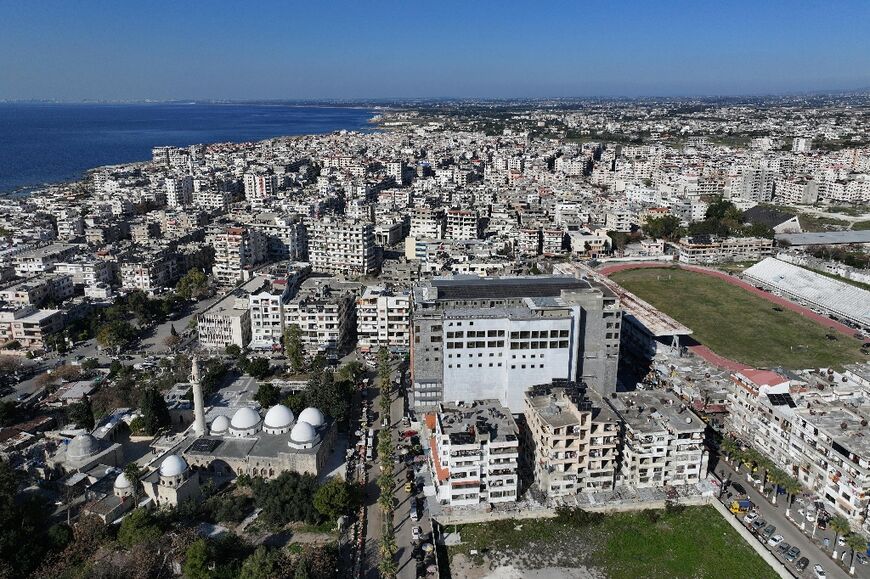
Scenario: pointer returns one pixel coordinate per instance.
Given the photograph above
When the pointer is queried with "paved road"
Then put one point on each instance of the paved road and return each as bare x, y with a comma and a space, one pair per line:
792, 534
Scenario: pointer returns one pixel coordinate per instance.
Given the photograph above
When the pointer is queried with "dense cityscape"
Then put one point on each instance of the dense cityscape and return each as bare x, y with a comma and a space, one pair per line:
421, 351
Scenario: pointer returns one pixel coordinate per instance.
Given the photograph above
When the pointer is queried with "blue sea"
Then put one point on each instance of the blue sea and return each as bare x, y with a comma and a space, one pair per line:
49, 143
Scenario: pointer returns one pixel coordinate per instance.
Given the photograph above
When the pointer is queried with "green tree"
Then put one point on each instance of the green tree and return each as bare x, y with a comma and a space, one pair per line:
233, 350
116, 334
856, 544
155, 414
197, 560
293, 347
268, 395
351, 372
289, 497
334, 498
139, 526
840, 526
133, 472
261, 564
330, 396
666, 227
258, 367
22, 524
82, 413
193, 284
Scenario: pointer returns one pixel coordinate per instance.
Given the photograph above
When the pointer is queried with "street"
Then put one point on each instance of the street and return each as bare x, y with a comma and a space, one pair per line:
791, 532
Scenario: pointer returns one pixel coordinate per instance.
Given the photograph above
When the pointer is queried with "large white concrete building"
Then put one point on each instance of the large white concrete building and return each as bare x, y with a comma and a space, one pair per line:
383, 319
343, 247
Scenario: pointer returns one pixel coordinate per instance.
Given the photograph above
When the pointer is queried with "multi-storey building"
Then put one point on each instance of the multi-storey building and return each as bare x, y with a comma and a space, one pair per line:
476, 338
87, 271
427, 223
179, 191
662, 442
35, 291
227, 322
326, 315
42, 259
29, 326
286, 235
337, 246
570, 442
383, 319
475, 451
702, 249
267, 312
237, 251
462, 224
258, 186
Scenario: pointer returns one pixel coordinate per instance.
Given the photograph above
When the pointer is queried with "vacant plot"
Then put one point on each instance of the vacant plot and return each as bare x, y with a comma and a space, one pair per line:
738, 325
687, 542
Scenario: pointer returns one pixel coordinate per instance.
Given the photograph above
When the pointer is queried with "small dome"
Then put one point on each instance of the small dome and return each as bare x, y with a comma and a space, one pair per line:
122, 482
279, 416
312, 416
302, 433
82, 446
245, 418
173, 465
220, 424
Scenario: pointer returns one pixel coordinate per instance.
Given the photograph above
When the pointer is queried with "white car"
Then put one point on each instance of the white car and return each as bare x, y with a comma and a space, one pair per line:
841, 541
810, 516
774, 540
819, 572
415, 533
750, 517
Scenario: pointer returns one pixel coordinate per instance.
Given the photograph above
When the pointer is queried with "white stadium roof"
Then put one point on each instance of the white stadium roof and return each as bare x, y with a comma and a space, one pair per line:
842, 299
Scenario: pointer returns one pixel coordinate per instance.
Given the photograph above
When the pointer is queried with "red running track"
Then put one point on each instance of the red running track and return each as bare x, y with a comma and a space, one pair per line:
704, 351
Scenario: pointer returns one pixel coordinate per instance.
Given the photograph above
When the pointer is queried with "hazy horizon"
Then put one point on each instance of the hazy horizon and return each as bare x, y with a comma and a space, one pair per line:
164, 51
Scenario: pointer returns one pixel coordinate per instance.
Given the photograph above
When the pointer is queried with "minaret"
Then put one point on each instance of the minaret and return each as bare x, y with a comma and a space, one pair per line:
198, 404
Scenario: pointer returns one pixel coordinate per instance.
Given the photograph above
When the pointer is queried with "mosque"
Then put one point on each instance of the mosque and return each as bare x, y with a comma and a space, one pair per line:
243, 443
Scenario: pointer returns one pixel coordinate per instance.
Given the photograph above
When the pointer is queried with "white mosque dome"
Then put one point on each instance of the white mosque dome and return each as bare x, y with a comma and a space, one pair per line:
82, 446
279, 416
312, 416
302, 433
220, 424
173, 465
122, 482
245, 418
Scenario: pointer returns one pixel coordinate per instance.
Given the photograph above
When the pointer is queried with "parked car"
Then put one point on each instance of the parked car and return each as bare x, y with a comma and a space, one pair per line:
792, 554
758, 524
841, 541
774, 540
783, 547
415, 533
409, 487
819, 572
768, 531
751, 516
802, 563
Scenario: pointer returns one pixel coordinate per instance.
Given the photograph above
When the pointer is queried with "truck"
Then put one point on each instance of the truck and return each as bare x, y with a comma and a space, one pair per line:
741, 506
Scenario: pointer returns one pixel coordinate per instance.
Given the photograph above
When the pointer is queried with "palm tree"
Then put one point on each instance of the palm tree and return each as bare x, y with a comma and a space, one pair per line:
840, 526
792, 487
775, 477
858, 544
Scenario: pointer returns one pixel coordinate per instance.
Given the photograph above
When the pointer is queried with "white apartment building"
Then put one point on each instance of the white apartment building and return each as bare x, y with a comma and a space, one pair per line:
663, 441
427, 223
227, 322
211, 199
383, 319
815, 429
179, 191
475, 451
337, 246
571, 443
42, 259
462, 224
801, 145
266, 306
35, 291
529, 242
325, 312
236, 251
286, 235
258, 186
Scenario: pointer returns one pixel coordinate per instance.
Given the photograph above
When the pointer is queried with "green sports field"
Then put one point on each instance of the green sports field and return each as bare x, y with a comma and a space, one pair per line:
737, 324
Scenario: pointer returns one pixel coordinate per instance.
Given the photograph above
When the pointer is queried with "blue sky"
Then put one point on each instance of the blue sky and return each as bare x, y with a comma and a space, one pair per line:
82, 49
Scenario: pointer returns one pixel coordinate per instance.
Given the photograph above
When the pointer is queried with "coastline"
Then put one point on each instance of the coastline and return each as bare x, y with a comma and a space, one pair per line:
371, 124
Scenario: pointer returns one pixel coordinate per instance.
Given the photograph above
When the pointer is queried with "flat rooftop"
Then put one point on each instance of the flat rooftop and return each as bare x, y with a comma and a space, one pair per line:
655, 411
470, 422
457, 288
825, 237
